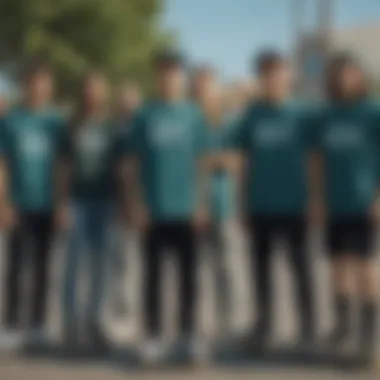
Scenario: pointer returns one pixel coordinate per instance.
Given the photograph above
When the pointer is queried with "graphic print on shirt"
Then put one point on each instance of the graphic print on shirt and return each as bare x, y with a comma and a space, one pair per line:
33, 145
91, 147
271, 133
167, 133
343, 136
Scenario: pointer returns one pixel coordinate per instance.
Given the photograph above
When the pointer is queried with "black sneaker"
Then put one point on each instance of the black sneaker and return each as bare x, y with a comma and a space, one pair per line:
70, 338
256, 339
98, 340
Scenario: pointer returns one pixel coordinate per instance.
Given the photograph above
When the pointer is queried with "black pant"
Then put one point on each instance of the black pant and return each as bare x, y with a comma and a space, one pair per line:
178, 236
293, 229
29, 244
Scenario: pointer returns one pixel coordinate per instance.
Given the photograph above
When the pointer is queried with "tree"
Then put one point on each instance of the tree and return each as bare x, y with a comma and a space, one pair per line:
117, 36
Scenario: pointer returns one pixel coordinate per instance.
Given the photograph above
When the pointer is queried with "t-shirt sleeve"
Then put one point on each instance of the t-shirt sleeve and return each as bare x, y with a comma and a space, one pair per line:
376, 137
3, 137
131, 142
65, 149
236, 136
313, 122
202, 143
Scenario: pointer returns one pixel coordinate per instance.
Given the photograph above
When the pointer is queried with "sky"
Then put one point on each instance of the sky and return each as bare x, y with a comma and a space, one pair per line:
227, 33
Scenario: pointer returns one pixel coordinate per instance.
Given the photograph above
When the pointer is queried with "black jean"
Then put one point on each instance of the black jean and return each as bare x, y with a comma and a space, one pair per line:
179, 237
264, 229
29, 244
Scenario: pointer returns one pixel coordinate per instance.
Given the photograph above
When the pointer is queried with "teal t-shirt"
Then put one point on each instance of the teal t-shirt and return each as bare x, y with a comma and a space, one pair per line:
29, 140
348, 136
167, 139
276, 140
223, 193
92, 148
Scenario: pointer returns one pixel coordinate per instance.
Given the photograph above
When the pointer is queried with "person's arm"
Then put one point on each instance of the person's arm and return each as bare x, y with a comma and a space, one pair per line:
7, 212
63, 179
316, 175
237, 144
4, 182
129, 174
376, 135
4, 196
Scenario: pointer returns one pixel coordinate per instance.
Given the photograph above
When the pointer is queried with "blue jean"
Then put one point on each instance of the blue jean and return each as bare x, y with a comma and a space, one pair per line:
88, 243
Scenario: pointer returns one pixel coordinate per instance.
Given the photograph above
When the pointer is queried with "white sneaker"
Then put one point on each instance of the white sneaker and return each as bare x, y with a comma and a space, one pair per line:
153, 351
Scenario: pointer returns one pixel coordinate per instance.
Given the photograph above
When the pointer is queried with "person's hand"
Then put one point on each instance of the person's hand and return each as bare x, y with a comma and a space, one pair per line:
316, 213
374, 212
63, 217
139, 218
201, 220
245, 222
8, 216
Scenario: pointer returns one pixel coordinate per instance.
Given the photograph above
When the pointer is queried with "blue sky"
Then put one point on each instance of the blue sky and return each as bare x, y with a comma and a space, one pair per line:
227, 33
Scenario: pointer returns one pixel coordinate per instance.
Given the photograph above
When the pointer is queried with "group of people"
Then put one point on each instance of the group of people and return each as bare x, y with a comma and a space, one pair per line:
179, 169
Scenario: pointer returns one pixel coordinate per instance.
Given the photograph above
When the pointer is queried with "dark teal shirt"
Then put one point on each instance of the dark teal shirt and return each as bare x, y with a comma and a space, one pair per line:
276, 142
348, 136
29, 141
167, 139
92, 150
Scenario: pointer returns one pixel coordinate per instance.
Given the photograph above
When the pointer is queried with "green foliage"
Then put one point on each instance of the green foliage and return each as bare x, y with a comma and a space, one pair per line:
117, 36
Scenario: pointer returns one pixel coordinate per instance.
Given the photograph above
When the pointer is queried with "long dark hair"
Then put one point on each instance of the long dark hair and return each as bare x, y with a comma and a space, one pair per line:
334, 69
80, 111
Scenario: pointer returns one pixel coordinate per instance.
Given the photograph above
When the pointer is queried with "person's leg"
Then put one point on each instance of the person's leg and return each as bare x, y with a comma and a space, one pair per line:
75, 251
218, 251
117, 270
98, 226
366, 279
42, 233
338, 241
295, 235
14, 270
183, 241
153, 250
261, 261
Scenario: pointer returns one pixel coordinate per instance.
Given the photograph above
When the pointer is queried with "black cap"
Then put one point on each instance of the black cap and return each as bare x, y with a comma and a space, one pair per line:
268, 59
168, 58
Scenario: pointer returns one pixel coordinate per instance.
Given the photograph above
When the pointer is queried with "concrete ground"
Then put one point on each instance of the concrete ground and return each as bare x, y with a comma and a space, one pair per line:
19, 370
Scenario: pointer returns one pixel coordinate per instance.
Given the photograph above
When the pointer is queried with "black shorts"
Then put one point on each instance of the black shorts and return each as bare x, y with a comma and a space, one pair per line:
292, 228
353, 235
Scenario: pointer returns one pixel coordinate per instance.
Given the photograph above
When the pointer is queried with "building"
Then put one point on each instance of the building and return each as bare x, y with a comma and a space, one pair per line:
313, 50
362, 40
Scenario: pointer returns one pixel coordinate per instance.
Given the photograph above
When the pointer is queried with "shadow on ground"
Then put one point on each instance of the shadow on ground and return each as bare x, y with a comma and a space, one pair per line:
223, 356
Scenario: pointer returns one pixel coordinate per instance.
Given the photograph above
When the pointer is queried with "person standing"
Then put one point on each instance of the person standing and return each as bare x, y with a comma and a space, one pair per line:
346, 187
274, 139
123, 266
87, 186
129, 100
29, 140
202, 77
219, 236
166, 143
